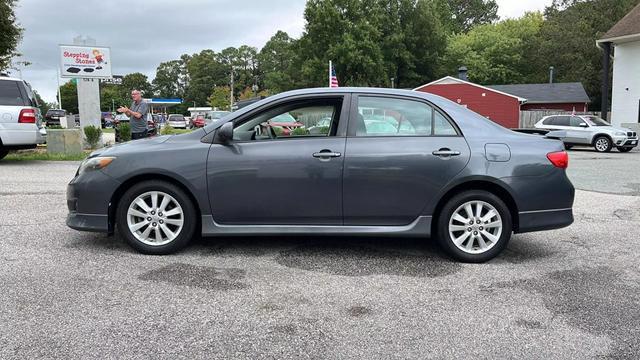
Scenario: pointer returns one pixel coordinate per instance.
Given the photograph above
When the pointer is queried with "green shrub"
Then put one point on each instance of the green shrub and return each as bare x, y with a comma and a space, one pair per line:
124, 131
278, 130
93, 135
167, 130
54, 127
300, 132
324, 130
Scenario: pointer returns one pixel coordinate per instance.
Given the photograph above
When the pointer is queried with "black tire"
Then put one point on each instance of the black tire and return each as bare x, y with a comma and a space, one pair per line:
567, 146
445, 240
624, 149
3, 153
606, 141
189, 217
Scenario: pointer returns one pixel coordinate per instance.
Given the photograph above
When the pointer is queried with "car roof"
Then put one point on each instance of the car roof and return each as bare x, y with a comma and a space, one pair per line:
10, 78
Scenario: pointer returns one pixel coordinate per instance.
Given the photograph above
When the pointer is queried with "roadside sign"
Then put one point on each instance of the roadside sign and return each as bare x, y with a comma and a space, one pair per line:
115, 80
85, 62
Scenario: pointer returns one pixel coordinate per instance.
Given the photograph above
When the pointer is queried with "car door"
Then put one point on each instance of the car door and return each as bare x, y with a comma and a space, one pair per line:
264, 177
577, 134
400, 153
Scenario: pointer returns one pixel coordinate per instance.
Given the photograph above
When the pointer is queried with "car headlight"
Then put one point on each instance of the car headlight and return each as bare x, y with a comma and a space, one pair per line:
619, 133
95, 163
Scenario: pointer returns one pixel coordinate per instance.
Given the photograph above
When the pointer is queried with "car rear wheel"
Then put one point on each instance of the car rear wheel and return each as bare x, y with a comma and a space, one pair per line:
3, 153
602, 144
474, 226
156, 217
624, 149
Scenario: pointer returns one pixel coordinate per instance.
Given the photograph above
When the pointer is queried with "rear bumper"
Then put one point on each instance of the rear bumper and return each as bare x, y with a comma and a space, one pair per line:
544, 220
88, 222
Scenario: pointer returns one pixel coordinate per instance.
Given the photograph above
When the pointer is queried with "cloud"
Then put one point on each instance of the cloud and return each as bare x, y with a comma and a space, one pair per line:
143, 33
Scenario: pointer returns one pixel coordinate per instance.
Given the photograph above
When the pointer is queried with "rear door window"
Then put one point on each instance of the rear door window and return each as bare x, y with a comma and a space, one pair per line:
550, 121
10, 94
562, 121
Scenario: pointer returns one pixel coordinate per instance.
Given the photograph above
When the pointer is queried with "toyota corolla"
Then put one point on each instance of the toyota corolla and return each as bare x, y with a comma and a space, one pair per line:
391, 162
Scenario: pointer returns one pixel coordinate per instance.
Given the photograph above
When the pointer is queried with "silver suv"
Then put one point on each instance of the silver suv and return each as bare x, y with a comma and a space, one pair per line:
590, 130
20, 119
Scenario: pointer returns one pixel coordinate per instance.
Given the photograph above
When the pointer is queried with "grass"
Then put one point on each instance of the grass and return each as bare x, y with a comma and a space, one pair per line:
109, 130
30, 155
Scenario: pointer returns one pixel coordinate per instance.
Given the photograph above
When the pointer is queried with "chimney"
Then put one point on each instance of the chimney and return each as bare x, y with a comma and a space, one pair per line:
550, 74
462, 73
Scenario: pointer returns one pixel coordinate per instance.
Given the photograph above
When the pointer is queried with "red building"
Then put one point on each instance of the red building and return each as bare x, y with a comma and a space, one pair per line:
503, 103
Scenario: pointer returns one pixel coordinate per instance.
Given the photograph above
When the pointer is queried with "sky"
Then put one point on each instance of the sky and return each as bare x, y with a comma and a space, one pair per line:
144, 33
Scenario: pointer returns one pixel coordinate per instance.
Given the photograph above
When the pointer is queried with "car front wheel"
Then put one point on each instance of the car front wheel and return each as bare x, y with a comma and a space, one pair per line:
602, 144
156, 217
474, 226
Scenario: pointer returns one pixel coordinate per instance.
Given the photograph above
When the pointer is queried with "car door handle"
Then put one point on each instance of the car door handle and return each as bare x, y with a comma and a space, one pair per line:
324, 154
446, 152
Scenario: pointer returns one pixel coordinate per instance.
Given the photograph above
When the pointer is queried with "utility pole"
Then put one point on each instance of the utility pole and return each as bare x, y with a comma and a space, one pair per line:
59, 96
231, 92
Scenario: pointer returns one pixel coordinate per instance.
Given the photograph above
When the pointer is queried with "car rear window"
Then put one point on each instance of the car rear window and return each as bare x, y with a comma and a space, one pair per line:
10, 94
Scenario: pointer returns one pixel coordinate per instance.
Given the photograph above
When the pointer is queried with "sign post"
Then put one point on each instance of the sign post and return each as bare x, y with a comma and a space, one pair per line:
87, 63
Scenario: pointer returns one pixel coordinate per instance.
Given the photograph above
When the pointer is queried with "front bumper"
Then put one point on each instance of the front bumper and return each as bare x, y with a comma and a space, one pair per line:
625, 141
88, 222
88, 200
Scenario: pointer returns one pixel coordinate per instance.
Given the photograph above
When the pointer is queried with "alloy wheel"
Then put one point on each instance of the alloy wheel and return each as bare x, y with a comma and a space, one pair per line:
602, 144
475, 227
155, 218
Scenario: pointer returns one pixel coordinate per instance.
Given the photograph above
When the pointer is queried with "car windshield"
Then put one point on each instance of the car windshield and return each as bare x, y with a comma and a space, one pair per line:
596, 121
176, 118
217, 114
56, 112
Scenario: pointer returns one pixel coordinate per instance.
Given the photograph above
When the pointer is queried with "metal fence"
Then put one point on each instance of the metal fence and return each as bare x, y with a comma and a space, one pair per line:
529, 118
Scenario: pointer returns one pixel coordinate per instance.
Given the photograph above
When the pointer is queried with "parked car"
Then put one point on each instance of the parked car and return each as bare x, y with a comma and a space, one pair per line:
20, 118
177, 121
589, 130
52, 117
459, 178
106, 119
213, 116
197, 122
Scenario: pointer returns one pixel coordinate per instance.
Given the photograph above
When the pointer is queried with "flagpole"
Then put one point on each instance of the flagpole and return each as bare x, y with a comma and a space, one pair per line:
330, 67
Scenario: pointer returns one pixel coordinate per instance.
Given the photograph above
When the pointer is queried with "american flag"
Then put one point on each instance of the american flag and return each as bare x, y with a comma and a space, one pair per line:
333, 79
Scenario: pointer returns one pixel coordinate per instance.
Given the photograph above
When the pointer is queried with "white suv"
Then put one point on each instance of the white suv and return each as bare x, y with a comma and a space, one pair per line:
590, 130
20, 119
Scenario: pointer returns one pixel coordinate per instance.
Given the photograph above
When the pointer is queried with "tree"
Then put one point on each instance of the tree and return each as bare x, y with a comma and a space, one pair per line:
113, 96
499, 53
136, 81
43, 105
466, 14
171, 78
10, 33
205, 72
69, 94
567, 41
275, 60
219, 98
370, 42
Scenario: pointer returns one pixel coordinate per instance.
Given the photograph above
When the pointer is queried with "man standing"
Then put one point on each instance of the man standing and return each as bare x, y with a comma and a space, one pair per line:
137, 115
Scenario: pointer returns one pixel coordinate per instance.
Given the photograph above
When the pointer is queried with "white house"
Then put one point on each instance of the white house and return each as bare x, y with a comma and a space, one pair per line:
623, 41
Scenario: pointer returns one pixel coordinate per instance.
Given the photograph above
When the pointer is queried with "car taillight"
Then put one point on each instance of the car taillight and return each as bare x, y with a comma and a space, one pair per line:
559, 159
27, 116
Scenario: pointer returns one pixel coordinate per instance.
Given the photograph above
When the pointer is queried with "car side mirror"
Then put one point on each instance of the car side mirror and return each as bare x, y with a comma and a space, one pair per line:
583, 125
224, 134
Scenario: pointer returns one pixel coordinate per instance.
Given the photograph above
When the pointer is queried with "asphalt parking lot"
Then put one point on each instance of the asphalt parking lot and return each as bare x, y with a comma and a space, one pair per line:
569, 293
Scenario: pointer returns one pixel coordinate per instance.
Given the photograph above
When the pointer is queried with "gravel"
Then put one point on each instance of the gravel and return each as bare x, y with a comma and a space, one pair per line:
568, 293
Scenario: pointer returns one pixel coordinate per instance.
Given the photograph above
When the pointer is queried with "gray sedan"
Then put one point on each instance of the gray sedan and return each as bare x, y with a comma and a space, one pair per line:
437, 170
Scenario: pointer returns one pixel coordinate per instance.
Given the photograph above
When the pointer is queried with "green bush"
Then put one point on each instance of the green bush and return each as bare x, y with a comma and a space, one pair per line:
324, 130
278, 130
93, 135
124, 131
167, 130
54, 127
300, 132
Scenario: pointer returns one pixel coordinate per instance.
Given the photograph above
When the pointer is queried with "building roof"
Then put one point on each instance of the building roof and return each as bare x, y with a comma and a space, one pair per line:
555, 93
628, 28
447, 80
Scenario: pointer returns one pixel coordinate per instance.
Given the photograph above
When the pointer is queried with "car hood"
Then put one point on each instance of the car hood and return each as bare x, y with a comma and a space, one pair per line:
612, 128
130, 145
